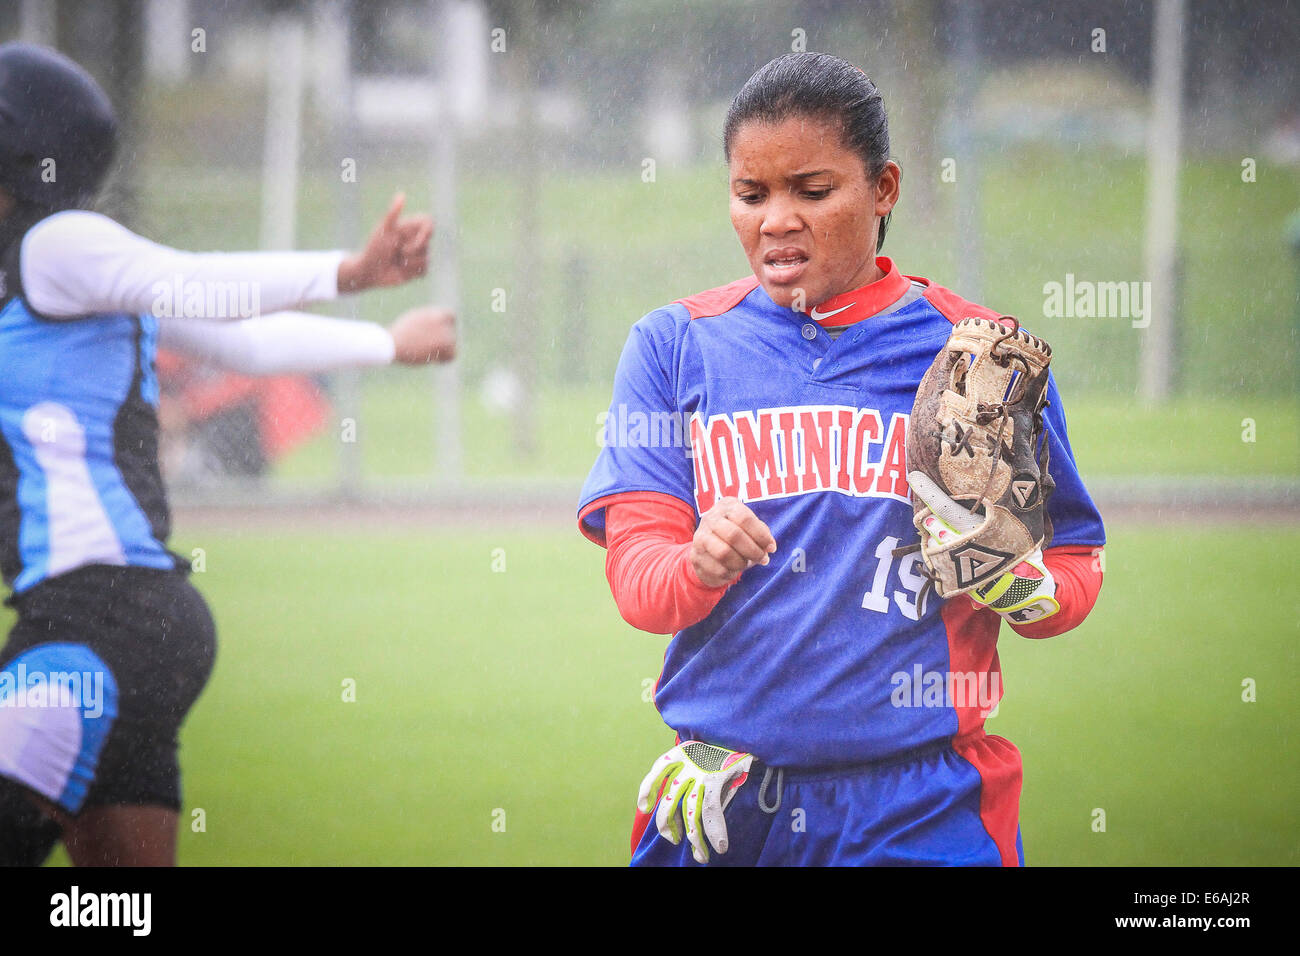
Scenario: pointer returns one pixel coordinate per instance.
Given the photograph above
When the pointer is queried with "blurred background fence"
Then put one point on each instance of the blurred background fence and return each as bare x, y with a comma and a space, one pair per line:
571, 154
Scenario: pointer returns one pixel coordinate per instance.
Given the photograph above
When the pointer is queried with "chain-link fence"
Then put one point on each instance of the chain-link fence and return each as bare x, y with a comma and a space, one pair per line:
1103, 193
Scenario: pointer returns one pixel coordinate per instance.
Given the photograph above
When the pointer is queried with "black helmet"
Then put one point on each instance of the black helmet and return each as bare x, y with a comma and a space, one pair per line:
51, 109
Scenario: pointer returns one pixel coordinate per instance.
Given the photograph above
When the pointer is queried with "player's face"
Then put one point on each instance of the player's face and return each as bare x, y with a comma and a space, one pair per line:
805, 211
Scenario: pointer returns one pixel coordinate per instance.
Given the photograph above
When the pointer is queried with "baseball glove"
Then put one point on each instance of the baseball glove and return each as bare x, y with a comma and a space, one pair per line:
979, 487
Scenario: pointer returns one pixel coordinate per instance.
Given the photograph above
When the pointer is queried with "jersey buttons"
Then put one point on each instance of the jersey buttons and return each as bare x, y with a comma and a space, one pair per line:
810, 331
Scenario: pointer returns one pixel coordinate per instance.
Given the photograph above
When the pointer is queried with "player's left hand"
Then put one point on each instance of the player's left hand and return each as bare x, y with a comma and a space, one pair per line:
424, 335
694, 781
398, 251
1023, 595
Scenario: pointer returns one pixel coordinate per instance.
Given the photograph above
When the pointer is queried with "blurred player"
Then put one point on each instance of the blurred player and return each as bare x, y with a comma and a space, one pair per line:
826, 712
113, 644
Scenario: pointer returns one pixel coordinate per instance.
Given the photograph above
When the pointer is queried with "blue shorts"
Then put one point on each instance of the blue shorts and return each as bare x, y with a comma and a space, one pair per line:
950, 805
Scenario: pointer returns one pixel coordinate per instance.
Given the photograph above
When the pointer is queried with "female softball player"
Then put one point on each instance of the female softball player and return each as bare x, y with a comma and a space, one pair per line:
828, 709
113, 644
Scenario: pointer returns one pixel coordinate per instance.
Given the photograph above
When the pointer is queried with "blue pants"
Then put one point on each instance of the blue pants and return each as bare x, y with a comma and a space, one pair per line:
953, 805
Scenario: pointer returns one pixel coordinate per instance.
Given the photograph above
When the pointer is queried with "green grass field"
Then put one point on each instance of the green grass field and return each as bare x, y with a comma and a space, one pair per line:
520, 691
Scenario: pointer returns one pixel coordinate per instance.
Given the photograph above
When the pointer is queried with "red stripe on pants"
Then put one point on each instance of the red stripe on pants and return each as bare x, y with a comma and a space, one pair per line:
997, 761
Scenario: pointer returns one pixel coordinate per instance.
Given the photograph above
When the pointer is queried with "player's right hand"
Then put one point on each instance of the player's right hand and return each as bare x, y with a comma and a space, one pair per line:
693, 783
424, 335
729, 541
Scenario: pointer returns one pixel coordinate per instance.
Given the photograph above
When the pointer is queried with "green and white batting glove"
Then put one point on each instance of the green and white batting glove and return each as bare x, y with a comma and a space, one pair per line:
694, 782
1025, 594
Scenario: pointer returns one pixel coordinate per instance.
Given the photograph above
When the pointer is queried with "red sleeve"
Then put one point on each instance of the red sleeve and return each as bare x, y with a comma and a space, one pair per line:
1077, 571
648, 564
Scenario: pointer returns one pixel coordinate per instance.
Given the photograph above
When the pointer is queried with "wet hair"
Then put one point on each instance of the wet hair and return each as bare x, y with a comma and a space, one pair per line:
824, 87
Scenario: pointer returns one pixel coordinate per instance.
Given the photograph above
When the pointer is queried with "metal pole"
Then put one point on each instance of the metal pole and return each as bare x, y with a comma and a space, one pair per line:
1155, 370
37, 21
969, 272
338, 15
283, 132
446, 20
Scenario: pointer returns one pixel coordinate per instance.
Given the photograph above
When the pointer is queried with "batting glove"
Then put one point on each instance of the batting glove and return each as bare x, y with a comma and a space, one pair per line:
694, 781
1023, 595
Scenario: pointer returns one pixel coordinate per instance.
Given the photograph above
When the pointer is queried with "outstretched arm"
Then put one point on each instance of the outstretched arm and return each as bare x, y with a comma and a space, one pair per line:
296, 342
78, 263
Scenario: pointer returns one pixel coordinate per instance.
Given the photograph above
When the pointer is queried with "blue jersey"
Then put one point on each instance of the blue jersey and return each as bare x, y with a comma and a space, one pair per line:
828, 656
79, 475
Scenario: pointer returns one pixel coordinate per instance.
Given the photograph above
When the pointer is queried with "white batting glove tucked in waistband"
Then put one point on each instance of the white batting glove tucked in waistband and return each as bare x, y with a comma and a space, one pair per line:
695, 782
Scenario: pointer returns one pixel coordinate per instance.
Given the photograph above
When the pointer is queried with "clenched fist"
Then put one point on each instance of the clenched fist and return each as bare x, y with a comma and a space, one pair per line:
423, 336
729, 541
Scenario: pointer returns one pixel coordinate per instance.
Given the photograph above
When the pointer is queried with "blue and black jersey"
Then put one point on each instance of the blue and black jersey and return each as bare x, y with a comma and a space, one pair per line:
79, 475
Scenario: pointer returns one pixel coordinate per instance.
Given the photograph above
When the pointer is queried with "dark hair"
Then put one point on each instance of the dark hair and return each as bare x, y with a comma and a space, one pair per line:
822, 86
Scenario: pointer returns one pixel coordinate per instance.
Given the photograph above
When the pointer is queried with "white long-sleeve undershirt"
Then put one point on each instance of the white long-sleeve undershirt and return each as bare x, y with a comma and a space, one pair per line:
228, 309
78, 263
279, 344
